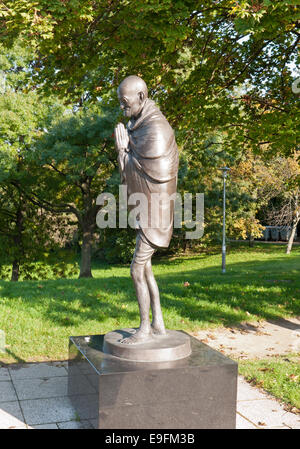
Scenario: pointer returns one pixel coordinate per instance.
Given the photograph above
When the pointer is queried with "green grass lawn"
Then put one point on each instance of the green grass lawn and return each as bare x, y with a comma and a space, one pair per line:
279, 375
39, 316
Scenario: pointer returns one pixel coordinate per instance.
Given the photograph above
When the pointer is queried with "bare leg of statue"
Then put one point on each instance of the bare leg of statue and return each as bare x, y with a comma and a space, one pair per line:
157, 324
143, 296
147, 294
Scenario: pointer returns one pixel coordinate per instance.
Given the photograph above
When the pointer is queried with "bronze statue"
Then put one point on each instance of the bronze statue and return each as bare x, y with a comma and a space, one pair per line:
148, 161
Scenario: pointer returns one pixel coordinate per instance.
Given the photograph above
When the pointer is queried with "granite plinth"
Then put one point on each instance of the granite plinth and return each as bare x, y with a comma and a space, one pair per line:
195, 392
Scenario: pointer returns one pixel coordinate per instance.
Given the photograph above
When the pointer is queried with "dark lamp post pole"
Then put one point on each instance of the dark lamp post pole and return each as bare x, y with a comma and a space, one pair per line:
224, 170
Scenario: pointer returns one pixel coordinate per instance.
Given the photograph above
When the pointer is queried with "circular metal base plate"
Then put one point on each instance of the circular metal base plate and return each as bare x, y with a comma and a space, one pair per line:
173, 345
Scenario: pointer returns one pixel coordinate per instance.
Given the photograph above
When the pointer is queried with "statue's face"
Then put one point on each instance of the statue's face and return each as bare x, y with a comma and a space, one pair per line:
130, 102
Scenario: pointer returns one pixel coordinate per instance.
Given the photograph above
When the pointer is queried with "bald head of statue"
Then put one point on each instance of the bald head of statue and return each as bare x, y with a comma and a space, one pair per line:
132, 94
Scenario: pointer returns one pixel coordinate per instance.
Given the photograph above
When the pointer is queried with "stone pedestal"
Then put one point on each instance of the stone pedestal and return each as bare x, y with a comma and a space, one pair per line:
173, 345
195, 392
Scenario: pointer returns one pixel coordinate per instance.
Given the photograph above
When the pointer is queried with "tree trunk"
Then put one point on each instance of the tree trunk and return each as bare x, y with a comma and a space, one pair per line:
15, 270
86, 252
293, 233
88, 224
18, 246
251, 240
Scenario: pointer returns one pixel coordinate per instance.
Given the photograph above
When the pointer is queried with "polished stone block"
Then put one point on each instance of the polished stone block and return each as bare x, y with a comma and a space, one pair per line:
197, 392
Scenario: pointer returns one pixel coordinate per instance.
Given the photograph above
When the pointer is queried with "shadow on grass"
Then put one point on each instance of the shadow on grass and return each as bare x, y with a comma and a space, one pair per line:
287, 324
17, 358
266, 289
67, 302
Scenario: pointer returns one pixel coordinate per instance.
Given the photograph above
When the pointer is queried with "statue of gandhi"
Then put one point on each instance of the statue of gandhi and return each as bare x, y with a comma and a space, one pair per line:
148, 161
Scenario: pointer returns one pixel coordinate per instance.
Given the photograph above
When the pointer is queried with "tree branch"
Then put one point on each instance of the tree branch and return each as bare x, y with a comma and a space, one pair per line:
250, 60
56, 169
56, 209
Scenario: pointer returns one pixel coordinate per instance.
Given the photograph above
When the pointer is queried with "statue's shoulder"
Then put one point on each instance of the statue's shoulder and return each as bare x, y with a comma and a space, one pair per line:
156, 119
152, 123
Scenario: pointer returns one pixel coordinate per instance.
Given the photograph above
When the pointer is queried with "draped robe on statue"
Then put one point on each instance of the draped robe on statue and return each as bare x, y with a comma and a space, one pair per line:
150, 166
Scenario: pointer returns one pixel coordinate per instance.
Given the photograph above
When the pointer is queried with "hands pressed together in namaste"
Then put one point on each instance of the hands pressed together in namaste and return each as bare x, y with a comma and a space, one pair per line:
121, 137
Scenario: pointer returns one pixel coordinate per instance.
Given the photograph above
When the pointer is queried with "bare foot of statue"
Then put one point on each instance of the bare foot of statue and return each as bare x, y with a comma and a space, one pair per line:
158, 328
140, 336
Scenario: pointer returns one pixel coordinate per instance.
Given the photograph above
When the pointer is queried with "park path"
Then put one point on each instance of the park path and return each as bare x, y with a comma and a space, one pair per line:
259, 339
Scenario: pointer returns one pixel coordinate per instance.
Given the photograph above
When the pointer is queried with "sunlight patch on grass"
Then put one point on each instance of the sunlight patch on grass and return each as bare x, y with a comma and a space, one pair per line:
39, 316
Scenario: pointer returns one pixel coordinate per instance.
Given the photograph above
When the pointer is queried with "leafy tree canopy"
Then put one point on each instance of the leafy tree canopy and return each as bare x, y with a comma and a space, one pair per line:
193, 55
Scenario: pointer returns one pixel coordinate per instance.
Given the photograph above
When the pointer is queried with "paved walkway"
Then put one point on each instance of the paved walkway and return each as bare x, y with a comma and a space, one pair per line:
34, 395
256, 339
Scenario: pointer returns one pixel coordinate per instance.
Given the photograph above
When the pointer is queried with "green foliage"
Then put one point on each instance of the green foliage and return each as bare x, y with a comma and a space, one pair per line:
117, 245
56, 265
200, 172
51, 157
221, 72
192, 55
78, 147
75, 159
23, 230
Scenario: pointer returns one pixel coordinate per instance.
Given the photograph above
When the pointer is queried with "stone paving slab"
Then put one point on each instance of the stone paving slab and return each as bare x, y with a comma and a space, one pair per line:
71, 425
4, 374
7, 391
268, 413
45, 426
39, 388
11, 415
243, 423
34, 370
48, 410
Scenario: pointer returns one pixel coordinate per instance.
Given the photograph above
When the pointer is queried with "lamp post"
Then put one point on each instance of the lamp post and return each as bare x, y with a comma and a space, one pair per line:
224, 170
